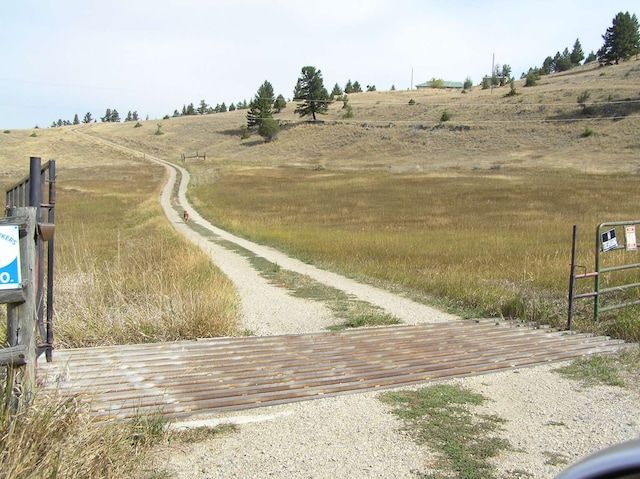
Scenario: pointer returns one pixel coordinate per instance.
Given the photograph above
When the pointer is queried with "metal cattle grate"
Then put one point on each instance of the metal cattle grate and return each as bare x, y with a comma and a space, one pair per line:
189, 377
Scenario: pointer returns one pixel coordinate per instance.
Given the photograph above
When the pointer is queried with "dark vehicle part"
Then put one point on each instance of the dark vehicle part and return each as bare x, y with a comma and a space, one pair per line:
621, 461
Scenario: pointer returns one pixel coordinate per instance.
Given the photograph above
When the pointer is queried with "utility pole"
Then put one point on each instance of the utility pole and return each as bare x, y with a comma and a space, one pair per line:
493, 62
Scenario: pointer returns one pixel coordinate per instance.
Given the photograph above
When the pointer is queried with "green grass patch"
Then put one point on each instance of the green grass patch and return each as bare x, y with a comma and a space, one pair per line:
440, 416
620, 369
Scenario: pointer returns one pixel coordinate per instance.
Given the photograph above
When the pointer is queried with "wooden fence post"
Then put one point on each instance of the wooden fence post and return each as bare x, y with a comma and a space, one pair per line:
21, 320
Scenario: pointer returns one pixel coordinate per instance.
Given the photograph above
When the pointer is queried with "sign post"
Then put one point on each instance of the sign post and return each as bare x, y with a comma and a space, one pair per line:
21, 323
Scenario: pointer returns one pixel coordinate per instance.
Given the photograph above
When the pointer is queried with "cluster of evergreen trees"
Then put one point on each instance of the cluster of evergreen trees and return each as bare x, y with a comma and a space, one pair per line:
351, 88
559, 63
110, 116
310, 94
621, 42
205, 109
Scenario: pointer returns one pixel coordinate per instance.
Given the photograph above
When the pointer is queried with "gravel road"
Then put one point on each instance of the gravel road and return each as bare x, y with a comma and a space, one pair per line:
551, 421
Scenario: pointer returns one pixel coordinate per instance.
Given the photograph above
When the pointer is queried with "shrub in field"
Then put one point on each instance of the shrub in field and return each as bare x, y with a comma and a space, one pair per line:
512, 91
587, 132
582, 99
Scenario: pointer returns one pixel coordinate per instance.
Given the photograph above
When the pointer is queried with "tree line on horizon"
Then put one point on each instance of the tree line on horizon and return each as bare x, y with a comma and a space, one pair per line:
621, 42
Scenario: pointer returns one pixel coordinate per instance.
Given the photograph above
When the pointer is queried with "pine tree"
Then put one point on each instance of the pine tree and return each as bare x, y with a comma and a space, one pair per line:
202, 109
577, 55
505, 74
562, 63
337, 91
621, 40
280, 104
261, 106
76, 120
311, 91
87, 118
356, 87
107, 115
268, 129
348, 88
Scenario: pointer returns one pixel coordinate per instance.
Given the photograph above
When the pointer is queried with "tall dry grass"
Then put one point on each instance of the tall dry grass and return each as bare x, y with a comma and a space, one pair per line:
123, 274
57, 438
485, 243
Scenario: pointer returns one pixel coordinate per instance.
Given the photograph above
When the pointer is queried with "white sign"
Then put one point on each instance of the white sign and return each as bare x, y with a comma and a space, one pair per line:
10, 276
609, 240
630, 236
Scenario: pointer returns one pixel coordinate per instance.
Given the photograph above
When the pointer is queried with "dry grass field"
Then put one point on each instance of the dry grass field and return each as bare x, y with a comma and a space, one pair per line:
474, 214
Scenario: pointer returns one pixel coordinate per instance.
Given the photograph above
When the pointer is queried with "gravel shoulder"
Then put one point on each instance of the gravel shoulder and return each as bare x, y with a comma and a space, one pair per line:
551, 421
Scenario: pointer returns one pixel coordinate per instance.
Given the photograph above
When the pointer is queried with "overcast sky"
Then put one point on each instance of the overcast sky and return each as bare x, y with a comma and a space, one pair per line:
62, 57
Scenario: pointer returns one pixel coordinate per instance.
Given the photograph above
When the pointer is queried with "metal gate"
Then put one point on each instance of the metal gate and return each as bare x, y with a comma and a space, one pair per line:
616, 250
38, 190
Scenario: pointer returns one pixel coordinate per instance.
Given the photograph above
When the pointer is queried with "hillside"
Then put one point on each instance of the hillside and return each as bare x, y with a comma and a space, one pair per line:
486, 130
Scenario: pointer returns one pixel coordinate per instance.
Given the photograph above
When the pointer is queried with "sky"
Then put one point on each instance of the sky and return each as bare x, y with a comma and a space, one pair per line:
66, 57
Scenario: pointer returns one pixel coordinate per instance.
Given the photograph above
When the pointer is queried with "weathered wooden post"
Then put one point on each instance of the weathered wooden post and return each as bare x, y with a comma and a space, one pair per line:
20, 356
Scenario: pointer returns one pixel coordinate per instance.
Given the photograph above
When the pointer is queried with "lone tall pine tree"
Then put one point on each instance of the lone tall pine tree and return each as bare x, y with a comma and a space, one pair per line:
311, 92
